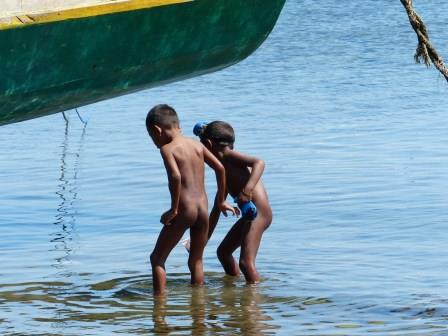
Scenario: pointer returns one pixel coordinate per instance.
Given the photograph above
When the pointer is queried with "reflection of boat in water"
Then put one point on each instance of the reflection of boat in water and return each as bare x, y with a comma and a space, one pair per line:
54, 56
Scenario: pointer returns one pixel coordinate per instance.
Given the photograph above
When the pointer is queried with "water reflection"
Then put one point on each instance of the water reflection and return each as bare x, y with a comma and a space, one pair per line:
220, 309
67, 192
192, 307
244, 307
126, 305
223, 307
159, 314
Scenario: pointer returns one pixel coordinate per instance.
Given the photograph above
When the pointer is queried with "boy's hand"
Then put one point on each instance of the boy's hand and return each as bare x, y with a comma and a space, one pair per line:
224, 207
243, 198
168, 216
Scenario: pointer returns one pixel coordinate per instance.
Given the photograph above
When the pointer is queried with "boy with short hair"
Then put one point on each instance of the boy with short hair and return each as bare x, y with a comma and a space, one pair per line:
184, 162
243, 176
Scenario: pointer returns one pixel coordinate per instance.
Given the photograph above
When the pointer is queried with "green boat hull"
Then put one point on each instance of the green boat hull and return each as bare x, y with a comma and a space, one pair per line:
51, 67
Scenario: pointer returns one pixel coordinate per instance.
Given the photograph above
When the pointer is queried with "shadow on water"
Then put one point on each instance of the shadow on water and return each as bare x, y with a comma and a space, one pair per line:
67, 192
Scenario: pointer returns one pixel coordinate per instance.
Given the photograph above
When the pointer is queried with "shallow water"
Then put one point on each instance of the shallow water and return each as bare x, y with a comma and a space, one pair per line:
354, 135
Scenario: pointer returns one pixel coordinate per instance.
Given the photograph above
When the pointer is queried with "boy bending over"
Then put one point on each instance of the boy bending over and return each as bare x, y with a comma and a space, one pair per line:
244, 184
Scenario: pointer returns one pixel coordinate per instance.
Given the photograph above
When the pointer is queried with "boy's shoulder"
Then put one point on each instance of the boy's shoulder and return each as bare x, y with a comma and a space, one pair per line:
193, 142
230, 155
190, 142
181, 142
233, 157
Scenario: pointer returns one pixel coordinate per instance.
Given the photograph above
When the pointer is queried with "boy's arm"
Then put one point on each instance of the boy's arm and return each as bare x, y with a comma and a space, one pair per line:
174, 184
213, 219
257, 168
220, 172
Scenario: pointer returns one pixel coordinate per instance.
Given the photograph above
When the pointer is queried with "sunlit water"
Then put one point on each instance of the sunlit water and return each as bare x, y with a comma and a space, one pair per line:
355, 138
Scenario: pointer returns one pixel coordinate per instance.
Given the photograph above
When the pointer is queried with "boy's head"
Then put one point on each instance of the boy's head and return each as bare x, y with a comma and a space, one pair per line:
161, 118
219, 133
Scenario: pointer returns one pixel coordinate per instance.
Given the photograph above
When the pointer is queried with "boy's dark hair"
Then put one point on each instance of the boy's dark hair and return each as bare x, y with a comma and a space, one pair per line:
162, 115
220, 132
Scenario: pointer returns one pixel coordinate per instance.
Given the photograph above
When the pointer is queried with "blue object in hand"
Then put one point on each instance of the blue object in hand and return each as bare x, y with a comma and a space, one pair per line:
199, 128
248, 210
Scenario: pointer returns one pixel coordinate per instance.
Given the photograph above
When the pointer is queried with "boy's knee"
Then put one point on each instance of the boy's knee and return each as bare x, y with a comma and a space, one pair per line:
193, 263
221, 252
246, 265
242, 263
155, 259
268, 220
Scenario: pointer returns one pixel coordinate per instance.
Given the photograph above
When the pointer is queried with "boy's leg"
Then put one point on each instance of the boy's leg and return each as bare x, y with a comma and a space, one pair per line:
168, 238
198, 240
251, 238
230, 243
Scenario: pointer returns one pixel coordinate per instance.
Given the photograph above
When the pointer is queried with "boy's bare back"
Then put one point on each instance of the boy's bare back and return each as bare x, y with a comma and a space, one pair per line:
188, 155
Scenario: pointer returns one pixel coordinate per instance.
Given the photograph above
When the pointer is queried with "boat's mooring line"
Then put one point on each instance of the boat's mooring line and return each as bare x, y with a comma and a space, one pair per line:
79, 116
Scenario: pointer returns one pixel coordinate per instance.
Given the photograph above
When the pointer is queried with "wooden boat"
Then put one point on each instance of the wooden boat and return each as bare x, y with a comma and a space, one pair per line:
56, 55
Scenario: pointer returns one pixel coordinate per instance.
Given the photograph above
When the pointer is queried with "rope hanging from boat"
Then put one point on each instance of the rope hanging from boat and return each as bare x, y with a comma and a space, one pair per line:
79, 116
425, 50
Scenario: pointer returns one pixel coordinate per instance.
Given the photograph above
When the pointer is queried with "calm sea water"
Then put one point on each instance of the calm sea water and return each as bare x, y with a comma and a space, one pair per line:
355, 138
